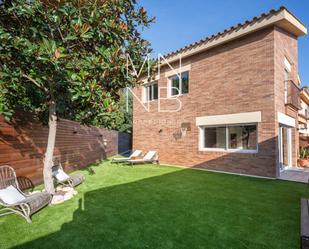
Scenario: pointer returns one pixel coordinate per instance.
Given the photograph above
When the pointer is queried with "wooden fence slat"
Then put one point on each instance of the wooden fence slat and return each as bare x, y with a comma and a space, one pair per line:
23, 142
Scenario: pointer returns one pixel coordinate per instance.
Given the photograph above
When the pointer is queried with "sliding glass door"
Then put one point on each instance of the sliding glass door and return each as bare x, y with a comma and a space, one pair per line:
285, 147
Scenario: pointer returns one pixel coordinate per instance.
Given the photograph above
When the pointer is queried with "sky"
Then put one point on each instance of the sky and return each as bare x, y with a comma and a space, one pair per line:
181, 22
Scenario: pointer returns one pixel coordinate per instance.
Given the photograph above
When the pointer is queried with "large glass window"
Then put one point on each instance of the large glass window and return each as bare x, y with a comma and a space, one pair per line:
242, 137
230, 137
215, 137
151, 91
178, 87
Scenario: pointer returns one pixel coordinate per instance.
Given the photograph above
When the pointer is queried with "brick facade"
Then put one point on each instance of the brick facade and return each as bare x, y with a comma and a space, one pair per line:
243, 75
286, 46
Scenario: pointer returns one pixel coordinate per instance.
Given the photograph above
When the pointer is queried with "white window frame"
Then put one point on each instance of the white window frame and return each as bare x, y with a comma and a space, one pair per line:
226, 149
146, 94
289, 147
170, 95
287, 70
286, 86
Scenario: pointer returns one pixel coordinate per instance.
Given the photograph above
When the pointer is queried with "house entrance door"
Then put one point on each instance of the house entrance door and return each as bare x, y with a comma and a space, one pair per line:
285, 147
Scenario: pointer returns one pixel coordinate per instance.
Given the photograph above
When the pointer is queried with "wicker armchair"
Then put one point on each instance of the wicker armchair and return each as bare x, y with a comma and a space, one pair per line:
27, 207
71, 181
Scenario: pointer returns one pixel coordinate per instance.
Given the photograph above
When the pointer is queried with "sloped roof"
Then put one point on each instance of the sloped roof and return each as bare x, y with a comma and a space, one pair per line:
281, 17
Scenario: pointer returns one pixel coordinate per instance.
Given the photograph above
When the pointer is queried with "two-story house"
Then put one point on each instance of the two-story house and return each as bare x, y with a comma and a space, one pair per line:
228, 102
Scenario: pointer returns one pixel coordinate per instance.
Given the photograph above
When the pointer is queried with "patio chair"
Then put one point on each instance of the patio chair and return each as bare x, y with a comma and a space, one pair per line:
64, 179
13, 200
136, 153
150, 157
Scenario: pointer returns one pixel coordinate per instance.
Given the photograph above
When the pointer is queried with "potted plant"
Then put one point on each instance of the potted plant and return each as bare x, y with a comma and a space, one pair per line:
303, 153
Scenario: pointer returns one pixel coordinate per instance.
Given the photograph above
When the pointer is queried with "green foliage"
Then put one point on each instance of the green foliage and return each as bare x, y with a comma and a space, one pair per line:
303, 153
127, 112
72, 53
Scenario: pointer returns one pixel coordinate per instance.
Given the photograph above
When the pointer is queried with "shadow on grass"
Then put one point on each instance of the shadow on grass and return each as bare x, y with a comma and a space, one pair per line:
184, 209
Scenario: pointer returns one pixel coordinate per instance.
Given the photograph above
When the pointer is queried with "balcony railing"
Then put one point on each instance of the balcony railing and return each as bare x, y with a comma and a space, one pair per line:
293, 94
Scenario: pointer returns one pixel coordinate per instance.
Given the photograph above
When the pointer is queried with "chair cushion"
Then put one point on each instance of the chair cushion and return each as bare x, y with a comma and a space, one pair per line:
136, 153
60, 175
37, 201
150, 155
11, 195
77, 179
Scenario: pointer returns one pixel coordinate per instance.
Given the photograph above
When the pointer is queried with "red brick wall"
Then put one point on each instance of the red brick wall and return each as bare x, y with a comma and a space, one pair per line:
286, 46
233, 78
23, 143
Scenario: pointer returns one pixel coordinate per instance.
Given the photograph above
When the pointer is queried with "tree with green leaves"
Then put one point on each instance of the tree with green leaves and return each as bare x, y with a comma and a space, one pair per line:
67, 59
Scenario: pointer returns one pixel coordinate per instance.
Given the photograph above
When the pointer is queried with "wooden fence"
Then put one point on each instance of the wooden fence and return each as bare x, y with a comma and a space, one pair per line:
23, 142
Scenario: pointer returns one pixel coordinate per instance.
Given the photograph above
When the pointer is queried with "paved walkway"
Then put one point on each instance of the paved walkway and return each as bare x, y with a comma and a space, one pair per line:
296, 175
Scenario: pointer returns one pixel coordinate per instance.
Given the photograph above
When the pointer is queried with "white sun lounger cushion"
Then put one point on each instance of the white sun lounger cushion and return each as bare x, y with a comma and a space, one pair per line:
61, 175
150, 155
11, 195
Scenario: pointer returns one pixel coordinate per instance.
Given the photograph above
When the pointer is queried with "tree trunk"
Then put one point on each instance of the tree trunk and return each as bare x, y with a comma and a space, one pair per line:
48, 160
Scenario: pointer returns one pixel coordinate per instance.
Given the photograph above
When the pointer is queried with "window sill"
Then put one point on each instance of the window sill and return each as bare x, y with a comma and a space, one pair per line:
179, 95
150, 101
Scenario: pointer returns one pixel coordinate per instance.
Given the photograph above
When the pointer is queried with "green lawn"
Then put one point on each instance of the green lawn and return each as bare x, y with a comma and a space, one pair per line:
164, 207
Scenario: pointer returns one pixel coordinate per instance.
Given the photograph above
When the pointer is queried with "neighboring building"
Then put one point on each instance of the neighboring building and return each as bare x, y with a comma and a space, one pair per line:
240, 100
303, 116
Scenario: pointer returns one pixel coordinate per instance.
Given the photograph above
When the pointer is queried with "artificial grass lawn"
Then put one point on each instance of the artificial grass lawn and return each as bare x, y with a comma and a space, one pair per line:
164, 207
